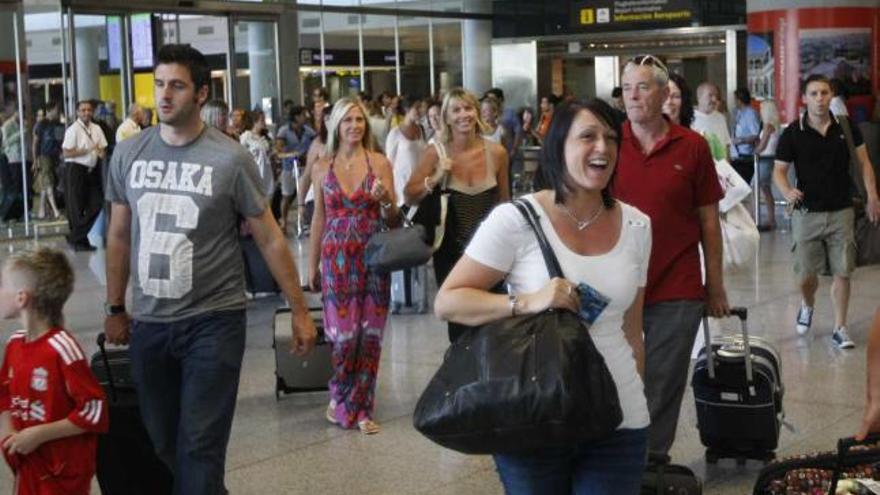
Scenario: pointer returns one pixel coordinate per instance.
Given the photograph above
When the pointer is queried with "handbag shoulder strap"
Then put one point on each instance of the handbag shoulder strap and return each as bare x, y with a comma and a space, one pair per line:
531, 216
855, 171
441, 155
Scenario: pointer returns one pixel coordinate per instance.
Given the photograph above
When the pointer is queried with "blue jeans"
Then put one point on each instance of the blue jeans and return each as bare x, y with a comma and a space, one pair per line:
613, 465
186, 374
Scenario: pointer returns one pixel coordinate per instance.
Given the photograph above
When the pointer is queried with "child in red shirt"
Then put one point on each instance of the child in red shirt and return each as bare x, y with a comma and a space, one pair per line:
51, 406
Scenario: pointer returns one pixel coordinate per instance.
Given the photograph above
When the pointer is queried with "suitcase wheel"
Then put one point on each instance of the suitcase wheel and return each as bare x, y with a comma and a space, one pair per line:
279, 386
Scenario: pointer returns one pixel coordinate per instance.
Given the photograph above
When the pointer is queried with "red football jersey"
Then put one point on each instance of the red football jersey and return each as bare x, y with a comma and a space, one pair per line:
44, 381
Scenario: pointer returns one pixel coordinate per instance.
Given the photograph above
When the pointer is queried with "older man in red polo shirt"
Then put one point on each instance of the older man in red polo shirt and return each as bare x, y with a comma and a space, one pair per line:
667, 172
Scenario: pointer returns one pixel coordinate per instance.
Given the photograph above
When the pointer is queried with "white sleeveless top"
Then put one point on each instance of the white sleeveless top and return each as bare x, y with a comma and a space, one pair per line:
772, 142
505, 242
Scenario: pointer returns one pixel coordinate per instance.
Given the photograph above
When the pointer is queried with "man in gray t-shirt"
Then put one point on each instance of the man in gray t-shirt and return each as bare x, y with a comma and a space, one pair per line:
178, 191
185, 260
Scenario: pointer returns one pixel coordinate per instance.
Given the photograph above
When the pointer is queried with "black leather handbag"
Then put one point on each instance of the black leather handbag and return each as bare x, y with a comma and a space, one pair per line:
390, 250
522, 383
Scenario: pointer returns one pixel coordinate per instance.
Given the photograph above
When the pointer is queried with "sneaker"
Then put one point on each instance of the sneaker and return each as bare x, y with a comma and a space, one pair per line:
804, 319
841, 338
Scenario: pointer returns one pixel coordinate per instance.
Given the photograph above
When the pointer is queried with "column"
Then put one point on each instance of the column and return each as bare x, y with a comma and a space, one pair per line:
261, 61
288, 47
87, 68
476, 55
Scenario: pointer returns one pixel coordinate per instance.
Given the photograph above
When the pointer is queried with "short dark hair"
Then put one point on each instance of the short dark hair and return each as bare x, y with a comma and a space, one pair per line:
90, 103
743, 95
325, 95
838, 88
295, 111
188, 57
814, 78
686, 114
552, 99
497, 92
553, 169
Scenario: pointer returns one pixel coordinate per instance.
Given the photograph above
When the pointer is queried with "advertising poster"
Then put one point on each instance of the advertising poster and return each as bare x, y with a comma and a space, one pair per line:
838, 53
760, 65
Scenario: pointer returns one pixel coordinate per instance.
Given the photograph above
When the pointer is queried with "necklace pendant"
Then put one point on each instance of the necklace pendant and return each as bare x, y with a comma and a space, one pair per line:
583, 225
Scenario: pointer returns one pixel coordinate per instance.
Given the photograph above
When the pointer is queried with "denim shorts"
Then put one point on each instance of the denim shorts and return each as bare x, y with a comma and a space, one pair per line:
613, 465
765, 170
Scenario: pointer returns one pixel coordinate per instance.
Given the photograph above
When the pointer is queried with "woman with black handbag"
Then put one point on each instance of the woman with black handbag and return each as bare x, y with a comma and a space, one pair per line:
473, 171
603, 247
354, 196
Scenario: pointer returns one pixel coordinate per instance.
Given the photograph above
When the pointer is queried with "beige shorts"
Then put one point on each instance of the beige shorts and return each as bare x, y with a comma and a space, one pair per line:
823, 242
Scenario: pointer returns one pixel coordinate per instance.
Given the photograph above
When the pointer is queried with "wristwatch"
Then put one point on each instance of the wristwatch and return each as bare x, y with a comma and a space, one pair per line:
113, 309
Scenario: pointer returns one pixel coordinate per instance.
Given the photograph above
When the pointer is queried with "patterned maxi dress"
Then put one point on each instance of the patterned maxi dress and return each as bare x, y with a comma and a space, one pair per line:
355, 298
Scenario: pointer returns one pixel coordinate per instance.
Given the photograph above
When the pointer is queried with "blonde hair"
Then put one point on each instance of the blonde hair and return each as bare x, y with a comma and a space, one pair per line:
340, 109
769, 113
50, 280
459, 94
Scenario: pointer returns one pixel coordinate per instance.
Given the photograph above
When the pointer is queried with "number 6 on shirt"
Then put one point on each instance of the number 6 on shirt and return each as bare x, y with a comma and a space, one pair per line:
176, 246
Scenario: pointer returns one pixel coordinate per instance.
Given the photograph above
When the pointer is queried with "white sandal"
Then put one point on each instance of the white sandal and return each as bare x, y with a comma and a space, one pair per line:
368, 427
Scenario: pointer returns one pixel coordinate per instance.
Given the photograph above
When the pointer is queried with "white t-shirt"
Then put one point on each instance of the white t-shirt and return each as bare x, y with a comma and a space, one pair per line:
258, 146
80, 137
506, 243
713, 124
497, 135
127, 129
838, 106
379, 129
404, 155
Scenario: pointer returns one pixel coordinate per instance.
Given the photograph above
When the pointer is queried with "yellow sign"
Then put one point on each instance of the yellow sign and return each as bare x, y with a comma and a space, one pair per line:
587, 16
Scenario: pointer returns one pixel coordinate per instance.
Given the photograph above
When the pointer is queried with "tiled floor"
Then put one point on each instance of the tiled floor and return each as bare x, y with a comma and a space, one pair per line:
286, 446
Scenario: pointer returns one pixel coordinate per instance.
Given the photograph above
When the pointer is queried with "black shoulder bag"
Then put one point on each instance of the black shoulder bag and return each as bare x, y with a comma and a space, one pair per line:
867, 235
522, 383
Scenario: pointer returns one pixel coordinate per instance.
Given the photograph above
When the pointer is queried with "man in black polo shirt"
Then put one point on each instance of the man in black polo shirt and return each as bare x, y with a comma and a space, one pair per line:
822, 222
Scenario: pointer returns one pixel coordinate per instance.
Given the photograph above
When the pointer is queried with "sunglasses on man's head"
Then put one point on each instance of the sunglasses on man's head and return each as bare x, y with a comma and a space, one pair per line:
651, 61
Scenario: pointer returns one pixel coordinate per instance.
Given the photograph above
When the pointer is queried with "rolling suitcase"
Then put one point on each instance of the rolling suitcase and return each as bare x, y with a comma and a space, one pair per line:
258, 278
822, 472
126, 461
738, 391
294, 373
409, 289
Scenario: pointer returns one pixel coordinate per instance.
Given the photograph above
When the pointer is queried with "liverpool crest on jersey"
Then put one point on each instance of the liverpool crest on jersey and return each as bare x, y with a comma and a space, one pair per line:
40, 379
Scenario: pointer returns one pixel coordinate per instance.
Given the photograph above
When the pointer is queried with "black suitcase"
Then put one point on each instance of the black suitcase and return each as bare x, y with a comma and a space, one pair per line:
294, 373
258, 278
663, 478
820, 472
126, 461
738, 400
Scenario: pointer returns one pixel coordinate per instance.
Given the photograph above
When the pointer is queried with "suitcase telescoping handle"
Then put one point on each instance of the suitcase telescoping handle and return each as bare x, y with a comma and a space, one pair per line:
101, 340
843, 446
743, 314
